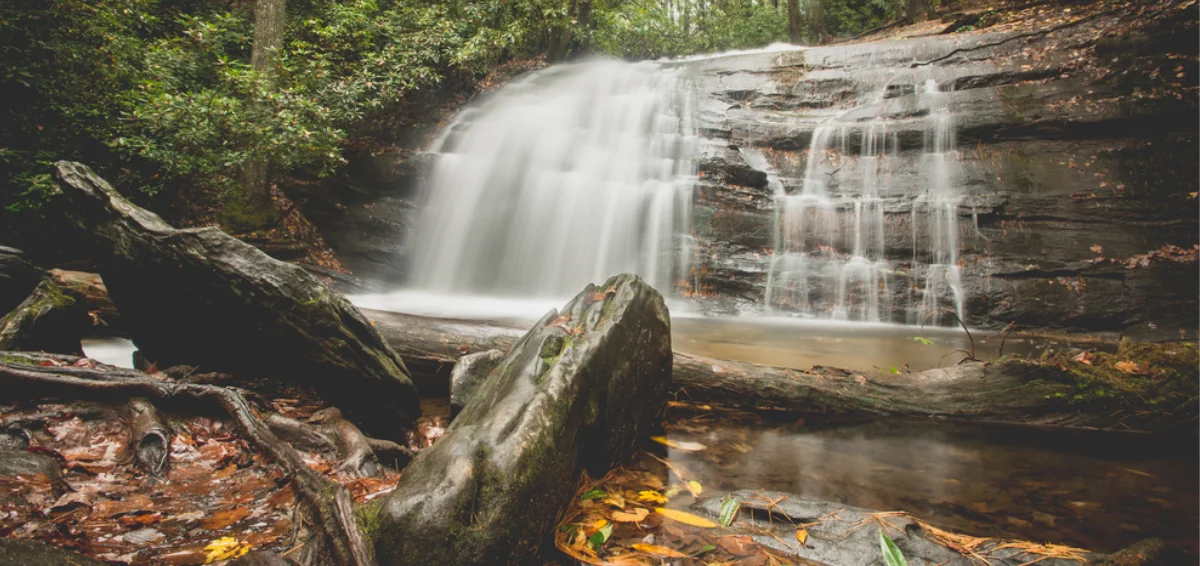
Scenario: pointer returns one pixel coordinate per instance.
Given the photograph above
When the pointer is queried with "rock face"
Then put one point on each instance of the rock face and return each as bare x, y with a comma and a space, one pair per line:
51, 319
202, 298
468, 374
1052, 168
575, 392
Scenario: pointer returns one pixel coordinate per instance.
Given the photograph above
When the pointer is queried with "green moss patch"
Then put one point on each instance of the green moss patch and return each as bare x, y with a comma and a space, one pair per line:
1149, 382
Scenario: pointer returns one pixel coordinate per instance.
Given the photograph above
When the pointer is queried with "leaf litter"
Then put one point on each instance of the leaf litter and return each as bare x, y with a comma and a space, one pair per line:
216, 500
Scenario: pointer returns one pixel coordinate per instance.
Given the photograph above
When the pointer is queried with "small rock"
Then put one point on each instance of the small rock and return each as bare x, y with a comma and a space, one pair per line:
469, 373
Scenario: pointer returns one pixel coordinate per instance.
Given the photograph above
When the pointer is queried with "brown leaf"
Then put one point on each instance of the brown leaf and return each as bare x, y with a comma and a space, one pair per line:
634, 516
1085, 357
222, 519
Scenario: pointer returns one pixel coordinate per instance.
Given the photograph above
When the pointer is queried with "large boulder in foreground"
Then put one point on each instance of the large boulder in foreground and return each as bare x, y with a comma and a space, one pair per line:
51, 319
202, 298
575, 392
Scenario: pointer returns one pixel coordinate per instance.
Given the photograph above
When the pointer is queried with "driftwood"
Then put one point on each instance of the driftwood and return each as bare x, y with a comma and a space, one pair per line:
337, 541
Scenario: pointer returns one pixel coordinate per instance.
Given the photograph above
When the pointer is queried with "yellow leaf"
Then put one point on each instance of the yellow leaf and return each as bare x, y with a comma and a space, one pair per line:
632, 517
686, 518
225, 548
599, 524
802, 536
615, 500
658, 550
652, 496
664, 441
695, 487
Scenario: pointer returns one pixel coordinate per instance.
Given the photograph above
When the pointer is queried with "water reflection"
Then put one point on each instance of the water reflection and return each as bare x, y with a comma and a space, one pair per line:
1094, 490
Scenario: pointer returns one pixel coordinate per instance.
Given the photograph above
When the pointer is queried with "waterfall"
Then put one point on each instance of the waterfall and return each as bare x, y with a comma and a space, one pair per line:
831, 258
566, 177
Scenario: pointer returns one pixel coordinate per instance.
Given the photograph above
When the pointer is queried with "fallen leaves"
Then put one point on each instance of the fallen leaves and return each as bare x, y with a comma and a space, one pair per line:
635, 516
659, 551
652, 497
686, 446
224, 548
222, 519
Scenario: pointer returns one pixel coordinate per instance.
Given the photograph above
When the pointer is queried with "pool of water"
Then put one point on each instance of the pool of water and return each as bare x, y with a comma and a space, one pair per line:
110, 350
1100, 491
778, 341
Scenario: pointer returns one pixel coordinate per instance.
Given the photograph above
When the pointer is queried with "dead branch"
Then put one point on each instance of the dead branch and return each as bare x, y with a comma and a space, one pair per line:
149, 439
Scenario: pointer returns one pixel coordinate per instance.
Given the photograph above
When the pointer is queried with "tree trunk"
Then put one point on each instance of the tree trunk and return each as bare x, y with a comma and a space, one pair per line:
793, 13
560, 41
252, 209
817, 31
584, 21
915, 11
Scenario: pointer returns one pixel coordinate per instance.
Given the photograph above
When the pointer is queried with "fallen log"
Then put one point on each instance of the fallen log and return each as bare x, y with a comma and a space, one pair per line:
1012, 390
200, 297
431, 346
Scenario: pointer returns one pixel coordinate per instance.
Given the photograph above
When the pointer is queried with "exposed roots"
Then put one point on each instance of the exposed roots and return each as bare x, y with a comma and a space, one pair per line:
337, 539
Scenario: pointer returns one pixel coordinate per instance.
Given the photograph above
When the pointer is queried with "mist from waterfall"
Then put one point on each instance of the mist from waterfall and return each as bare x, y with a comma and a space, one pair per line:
566, 177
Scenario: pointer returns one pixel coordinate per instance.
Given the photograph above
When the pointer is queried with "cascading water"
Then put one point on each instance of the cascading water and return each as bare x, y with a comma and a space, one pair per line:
831, 257
567, 177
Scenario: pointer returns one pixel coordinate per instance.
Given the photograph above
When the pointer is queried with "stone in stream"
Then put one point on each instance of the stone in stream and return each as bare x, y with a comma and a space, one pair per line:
468, 374
574, 393
51, 319
16, 552
202, 298
843, 535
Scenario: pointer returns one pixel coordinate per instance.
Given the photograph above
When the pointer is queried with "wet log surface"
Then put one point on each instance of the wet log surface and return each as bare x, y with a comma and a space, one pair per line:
1010, 391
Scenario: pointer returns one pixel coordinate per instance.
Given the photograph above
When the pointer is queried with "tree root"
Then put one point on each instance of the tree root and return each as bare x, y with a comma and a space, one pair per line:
338, 540
356, 450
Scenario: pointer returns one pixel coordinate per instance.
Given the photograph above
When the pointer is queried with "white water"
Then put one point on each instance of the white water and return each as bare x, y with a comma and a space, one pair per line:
567, 177
830, 257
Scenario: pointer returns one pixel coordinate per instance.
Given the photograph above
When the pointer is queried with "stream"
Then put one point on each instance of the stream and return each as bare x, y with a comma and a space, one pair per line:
1094, 490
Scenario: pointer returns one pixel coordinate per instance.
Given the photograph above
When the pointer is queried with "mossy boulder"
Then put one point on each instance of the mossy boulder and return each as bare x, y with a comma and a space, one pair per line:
202, 298
51, 319
17, 278
574, 393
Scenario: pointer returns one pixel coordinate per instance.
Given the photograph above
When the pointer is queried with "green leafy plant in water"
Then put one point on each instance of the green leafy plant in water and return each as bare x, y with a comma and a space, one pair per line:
598, 539
593, 494
729, 510
891, 554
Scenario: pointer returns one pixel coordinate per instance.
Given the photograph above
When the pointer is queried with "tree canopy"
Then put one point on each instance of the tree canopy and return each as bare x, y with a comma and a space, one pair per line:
162, 93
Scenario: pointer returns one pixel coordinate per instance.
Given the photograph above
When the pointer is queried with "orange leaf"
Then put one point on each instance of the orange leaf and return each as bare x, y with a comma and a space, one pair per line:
658, 550
686, 518
632, 517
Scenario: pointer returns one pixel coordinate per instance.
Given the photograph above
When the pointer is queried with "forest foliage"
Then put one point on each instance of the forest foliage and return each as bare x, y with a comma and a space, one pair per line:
159, 94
